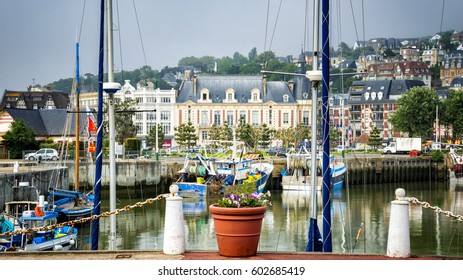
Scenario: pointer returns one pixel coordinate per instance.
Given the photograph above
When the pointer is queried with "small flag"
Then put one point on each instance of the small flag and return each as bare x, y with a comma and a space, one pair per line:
91, 127
91, 147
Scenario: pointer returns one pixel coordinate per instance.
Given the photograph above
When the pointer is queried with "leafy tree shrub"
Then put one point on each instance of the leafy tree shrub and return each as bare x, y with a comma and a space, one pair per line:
437, 155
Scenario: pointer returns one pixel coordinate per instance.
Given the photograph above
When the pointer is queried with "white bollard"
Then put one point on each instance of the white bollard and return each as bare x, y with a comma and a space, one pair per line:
16, 167
174, 229
398, 241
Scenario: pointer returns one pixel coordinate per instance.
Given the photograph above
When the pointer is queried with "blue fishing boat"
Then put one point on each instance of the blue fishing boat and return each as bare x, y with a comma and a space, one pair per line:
70, 205
203, 176
29, 210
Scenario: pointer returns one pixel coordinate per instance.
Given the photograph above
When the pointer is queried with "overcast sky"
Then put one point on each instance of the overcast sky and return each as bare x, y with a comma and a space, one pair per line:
38, 37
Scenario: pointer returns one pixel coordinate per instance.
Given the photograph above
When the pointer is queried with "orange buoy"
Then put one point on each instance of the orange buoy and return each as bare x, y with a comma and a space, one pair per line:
38, 211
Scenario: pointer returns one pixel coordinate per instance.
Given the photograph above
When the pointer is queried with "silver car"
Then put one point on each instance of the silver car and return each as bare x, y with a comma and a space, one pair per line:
43, 154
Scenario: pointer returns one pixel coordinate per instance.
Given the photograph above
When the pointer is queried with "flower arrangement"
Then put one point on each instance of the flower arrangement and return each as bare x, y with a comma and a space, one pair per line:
245, 200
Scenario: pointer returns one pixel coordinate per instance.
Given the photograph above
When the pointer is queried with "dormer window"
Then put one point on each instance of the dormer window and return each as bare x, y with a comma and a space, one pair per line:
204, 96
230, 96
367, 95
255, 96
285, 98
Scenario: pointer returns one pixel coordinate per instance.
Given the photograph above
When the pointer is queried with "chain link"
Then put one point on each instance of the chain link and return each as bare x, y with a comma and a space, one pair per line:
435, 208
88, 219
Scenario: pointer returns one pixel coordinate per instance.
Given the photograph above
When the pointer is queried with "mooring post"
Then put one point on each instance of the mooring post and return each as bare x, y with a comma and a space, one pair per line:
174, 229
398, 241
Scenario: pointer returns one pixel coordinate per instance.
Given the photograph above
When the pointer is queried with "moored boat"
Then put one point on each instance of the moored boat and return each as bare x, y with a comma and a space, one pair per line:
29, 210
296, 175
207, 176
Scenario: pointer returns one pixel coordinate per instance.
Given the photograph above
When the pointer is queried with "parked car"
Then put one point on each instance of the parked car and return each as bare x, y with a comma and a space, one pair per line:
43, 154
276, 151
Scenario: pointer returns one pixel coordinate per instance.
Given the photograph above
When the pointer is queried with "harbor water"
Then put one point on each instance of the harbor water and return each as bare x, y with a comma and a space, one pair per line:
360, 220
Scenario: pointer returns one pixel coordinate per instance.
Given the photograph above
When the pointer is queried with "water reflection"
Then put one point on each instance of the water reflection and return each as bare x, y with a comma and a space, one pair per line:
285, 226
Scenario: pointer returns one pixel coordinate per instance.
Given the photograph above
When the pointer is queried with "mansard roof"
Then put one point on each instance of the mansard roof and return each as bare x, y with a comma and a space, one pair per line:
242, 86
31, 98
380, 91
47, 123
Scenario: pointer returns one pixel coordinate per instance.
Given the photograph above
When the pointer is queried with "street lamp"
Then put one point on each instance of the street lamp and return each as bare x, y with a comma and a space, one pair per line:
111, 88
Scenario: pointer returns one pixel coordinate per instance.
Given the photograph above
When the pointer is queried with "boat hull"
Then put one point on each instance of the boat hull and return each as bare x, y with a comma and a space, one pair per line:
299, 182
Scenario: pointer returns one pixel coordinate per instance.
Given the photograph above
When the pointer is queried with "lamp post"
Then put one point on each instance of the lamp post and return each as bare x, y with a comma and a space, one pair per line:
110, 88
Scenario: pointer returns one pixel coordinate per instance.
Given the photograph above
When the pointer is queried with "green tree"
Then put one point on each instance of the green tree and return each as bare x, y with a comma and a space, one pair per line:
375, 138
302, 132
335, 137
185, 135
252, 54
450, 112
124, 126
152, 137
18, 138
286, 135
416, 112
250, 68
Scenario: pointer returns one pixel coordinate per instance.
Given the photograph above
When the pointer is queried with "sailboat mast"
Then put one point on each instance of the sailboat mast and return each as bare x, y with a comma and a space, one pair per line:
99, 138
327, 245
77, 105
314, 76
112, 138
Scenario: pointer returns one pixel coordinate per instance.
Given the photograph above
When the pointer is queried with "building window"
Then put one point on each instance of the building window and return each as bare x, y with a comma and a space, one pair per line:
270, 116
166, 127
139, 100
230, 95
150, 126
230, 118
255, 118
165, 99
204, 118
305, 118
150, 116
243, 116
204, 135
217, 117
138, 116
255, 95
285, 118
285, 98
139, 128
205, 95
165, 115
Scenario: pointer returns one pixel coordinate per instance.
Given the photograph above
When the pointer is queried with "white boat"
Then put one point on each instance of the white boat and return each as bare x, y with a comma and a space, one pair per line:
296, 175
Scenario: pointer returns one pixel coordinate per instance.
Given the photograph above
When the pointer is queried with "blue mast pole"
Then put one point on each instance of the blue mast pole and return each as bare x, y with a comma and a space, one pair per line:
99, 137
315, 242
327, 245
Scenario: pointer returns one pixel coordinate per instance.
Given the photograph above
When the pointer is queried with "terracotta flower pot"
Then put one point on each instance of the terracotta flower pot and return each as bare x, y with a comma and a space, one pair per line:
237, 229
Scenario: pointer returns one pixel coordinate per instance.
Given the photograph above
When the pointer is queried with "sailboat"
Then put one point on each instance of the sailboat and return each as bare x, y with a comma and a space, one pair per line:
73, 205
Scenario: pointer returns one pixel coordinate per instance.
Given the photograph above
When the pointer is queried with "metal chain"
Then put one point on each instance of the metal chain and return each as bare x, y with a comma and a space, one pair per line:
87, 219
435, 208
